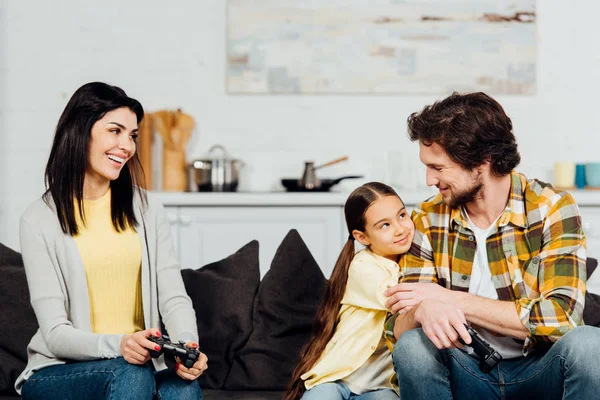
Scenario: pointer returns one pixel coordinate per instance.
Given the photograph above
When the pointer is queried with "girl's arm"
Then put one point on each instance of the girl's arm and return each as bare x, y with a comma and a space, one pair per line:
366, 285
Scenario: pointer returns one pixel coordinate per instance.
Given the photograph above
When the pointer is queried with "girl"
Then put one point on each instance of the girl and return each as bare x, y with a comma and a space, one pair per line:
347, 357
100, 266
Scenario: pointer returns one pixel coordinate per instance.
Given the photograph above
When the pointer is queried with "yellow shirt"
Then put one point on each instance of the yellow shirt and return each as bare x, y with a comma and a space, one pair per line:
112, 261
360, 320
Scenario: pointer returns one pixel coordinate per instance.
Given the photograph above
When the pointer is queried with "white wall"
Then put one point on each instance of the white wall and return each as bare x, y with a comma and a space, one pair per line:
173, 55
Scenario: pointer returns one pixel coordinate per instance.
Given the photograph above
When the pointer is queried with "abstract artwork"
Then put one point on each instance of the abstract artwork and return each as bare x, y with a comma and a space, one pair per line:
381, 46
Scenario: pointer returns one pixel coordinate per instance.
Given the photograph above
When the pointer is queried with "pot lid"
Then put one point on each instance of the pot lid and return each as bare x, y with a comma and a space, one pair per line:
218, 155
218, 152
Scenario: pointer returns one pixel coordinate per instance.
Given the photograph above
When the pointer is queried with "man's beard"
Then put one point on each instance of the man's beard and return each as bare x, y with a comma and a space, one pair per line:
466, 196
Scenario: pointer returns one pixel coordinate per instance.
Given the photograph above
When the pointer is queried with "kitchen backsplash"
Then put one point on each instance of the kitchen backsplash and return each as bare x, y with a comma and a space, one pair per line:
400, 168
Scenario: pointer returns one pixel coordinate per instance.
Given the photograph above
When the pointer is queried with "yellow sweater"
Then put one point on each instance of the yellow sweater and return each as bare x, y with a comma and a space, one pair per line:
360, 320
112, 262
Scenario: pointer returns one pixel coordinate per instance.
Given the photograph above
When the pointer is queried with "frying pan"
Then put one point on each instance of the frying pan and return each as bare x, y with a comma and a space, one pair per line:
294, 185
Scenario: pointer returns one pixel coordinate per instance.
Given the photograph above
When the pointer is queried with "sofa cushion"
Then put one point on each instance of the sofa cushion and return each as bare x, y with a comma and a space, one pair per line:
10, 257
10, 368
284, 310
590, 266
240, 395
591, 311
223, 293
17, 318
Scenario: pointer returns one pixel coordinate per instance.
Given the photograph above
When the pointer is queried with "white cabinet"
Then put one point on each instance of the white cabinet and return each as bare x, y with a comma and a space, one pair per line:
208, 227
207, 234
173, 217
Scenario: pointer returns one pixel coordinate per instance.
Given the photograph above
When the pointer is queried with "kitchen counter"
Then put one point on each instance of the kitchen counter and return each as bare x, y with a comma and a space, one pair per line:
207, 227
582, 197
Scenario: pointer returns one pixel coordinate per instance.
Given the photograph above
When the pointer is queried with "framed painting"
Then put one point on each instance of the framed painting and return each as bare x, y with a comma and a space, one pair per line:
381, 46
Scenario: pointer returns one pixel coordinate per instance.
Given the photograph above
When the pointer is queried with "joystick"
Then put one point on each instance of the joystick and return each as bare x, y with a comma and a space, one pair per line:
488, 357
187, 355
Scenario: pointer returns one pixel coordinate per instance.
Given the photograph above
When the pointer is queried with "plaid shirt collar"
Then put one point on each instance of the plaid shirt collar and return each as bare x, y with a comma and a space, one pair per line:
513, 213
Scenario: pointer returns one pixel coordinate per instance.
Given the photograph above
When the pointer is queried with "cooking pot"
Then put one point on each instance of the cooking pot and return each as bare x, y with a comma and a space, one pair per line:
323, 185
217, 173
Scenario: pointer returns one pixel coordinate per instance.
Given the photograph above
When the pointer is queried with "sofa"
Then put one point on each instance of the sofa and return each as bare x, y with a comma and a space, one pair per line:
251, 329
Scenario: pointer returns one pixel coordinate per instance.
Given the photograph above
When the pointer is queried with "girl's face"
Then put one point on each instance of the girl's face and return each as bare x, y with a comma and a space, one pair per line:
112, 144
388, 228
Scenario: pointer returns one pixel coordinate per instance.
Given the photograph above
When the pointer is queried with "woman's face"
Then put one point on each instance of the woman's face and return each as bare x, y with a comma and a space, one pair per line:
112, 144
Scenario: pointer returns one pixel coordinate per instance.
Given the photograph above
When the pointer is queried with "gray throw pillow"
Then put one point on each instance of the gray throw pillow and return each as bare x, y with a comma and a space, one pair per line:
10, 368
10, 257
223, 295
591, 311
16, 318
284, 311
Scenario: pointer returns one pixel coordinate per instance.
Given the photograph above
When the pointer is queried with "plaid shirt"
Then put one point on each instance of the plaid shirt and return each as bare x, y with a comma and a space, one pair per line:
536, 254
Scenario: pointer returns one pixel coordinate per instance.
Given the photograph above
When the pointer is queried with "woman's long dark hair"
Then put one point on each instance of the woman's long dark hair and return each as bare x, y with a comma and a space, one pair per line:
65, 171
327, 315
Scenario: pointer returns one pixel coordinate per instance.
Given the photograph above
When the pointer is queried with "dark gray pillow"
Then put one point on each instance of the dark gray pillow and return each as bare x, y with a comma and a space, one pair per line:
590, 266
17, 318
10, 368
284, 310
10, 257
591, 311
223, 295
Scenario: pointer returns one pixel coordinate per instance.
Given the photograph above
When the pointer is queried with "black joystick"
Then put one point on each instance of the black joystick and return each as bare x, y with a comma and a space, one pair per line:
488, 357
187, 355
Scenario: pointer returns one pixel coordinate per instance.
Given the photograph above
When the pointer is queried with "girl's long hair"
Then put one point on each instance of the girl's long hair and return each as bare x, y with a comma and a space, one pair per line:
65, 171
327, 315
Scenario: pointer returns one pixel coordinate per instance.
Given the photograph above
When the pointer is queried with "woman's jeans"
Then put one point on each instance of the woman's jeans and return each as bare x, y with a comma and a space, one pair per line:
339, 391
113, 379
570, 369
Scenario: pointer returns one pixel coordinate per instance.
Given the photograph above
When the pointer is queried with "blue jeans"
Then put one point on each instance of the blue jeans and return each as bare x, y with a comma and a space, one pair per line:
113, 379
570, 369
339, 391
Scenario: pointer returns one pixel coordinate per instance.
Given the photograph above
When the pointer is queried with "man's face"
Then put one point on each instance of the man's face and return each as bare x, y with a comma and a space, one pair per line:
457, 185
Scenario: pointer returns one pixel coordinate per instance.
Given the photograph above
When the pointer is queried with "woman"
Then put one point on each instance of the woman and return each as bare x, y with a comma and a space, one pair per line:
100, 266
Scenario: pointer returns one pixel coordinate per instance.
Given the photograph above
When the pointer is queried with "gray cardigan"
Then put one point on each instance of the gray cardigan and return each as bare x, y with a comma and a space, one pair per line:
59, 294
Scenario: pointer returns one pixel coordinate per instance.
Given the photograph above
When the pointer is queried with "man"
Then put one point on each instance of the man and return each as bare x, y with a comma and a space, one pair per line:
500, 252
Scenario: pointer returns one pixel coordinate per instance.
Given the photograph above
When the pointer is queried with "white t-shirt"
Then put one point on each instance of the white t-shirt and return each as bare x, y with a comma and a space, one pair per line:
482, 285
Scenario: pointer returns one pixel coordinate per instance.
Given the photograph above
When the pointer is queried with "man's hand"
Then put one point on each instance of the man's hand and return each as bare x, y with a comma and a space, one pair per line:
134, 348
442, 323
404, 296
195, 370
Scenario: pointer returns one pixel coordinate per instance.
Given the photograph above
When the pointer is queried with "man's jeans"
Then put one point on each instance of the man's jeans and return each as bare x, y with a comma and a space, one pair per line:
113, 379
339, 391
570, 369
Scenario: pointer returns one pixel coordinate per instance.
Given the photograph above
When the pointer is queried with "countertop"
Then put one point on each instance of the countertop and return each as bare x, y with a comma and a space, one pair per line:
584, 198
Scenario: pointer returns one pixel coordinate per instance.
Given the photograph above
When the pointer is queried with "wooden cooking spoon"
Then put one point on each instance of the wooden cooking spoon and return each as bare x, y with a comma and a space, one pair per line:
328, 163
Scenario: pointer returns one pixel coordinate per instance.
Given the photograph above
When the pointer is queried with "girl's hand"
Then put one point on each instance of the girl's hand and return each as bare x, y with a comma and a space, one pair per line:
134, 348
404, 296
195, 370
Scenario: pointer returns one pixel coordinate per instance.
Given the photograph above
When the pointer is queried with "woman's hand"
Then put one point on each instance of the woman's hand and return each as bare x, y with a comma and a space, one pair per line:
134, 348
195, 370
